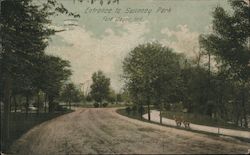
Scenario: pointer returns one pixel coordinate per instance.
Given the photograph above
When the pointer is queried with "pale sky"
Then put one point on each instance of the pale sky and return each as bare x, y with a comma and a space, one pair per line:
94, 44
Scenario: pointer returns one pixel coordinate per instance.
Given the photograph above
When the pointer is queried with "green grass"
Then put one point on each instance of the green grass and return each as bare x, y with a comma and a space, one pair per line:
135, 115
19, 124
202, 120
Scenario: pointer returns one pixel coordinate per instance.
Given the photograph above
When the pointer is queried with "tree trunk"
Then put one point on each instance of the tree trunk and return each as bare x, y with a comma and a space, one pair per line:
6, 101
27, 106
38, 103
15, 103
11, 102
244, 108
161, 108
237, 120
51, 104
149, 115
45, 102
141, 111
241, 123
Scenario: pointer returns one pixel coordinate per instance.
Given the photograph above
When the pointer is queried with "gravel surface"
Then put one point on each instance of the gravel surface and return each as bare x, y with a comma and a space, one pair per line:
100, 131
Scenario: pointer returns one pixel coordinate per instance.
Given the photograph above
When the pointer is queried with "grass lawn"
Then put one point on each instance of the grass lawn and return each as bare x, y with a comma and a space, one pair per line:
135, 115
202, 120
19, 124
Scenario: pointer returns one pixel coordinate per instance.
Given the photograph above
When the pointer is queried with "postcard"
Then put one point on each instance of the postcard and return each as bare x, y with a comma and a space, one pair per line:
125, 77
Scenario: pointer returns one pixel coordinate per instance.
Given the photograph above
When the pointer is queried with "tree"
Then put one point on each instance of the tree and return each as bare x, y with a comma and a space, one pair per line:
112, 96
23, 37
55, 72
151, 71
100, 87
229, 42
70, 94
118, 98
24, 30
165, 76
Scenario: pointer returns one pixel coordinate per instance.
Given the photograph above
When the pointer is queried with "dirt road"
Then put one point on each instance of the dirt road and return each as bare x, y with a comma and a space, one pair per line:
105, 131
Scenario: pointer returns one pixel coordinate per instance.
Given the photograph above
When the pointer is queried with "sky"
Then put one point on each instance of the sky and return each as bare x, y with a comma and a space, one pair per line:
101, 40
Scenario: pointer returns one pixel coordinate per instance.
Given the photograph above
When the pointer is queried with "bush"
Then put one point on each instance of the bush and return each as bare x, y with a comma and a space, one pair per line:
128, 110
88, 98
134, 109
177, 107
96, 105
167, 106
141, 110
60, 108
105, 104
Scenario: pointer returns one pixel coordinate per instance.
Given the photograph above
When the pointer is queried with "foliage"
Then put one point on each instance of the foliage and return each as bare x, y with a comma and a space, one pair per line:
25, 68
229, 42
88, 98
96, 105
105, 104
151, 72
128, 110
112, 96
100, 87
70, 94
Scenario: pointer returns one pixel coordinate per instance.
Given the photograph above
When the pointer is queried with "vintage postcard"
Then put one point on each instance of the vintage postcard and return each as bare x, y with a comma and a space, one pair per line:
125, 77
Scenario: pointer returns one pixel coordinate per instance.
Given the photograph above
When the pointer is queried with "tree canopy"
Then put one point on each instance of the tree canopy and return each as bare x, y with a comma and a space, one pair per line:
230, 44
24, 66
100, 87
151, 72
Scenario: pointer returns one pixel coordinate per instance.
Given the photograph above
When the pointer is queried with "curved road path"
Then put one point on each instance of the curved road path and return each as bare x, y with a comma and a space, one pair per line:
104, 131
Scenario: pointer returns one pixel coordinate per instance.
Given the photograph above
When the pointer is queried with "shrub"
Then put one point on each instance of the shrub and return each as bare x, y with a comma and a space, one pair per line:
60, 108
96, 105
167, 106
177, 107
105, 104
128, 110
134, 109
141, 110
88, 98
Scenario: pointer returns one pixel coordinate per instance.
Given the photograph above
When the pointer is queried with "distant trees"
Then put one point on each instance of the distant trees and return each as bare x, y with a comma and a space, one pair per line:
112, 96
100, 87
70, 94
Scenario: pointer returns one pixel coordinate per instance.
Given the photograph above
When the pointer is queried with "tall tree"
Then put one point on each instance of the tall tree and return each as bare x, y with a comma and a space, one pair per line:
55, 72
70, 94
24, 30
229, 42
151, 71
100, 87
23, 36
